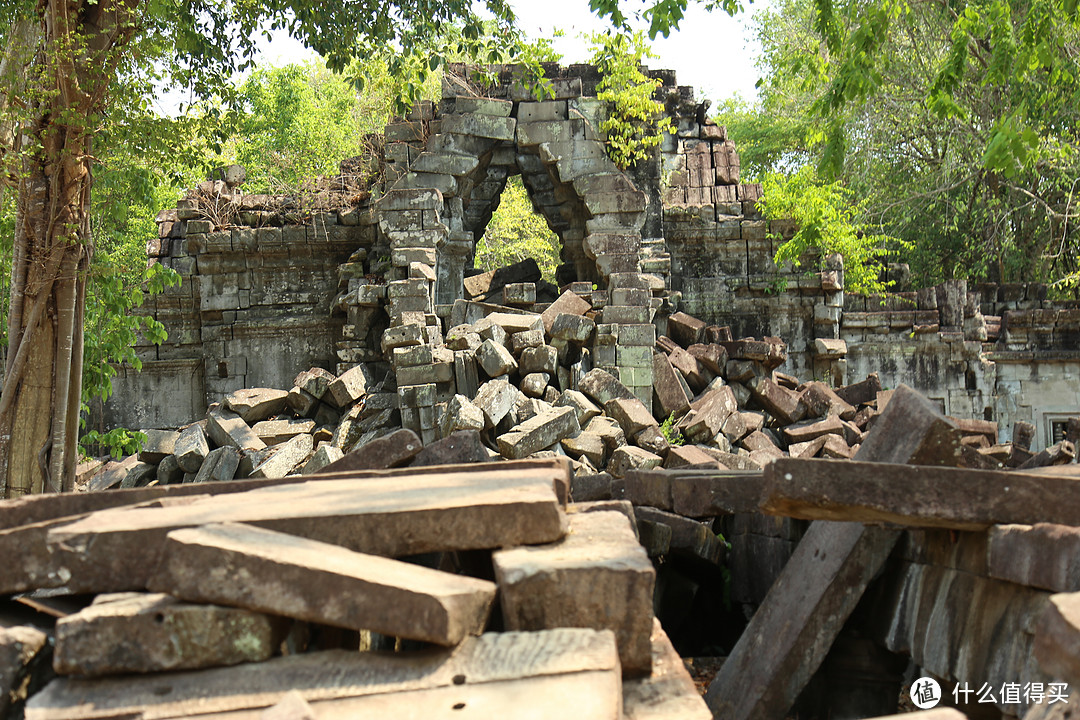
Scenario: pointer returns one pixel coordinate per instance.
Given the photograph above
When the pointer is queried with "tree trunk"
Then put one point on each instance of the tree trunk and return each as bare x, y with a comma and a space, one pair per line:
76, 59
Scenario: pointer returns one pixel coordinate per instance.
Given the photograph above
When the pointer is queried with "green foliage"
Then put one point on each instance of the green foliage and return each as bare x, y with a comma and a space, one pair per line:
827, 219
117, 442
298, 122
636, 122
516, 232
672, 433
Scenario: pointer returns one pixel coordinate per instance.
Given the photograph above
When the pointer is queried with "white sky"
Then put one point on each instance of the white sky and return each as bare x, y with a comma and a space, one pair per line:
712, 52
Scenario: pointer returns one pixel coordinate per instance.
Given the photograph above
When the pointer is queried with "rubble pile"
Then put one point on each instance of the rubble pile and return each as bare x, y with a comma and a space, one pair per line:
252, 598
539, 384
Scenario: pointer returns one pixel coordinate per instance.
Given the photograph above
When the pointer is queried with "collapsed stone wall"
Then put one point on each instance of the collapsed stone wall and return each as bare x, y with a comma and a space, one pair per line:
272, 284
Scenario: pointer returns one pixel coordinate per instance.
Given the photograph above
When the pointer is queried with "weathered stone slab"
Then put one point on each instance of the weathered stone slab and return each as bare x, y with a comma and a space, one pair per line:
539, 432
255, 404
348, 387
603, 387
708, 494
917, 496
191, 448
669, 692
245, 566
631, 414
568, 672
20, 647
626, 458
155, 633
495, 359
227, 429
220, 464
586, 409
275, 432
1041, 555
808, 430
569, 303
598, 576
912, 430
159, 444
113, 474
688, 537
392, 450
682, 456
495, 398
286, 458
376, 515
324, 455
669, 396
790, 634
462, 447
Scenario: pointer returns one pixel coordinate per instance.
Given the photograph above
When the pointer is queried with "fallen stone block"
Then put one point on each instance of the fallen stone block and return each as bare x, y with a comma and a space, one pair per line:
168, 471
538, 433
569, 303
114, 473
21, 648
627, 458
567, 672
220, 464
256, 404
587, 444
191, 448
286, 458
683, 456
495, 359
707, 415
685, 329
781, 403
348, 387
1061, 453
807, 430
158, 445
393, 450
157, 633
315, 382
227, 429
669, 396
598, 576
651, 439
603, 387
822, 401
668, 693
912, 430
544, 358
575, 329
380, 515
275, 432
496, 398
246, 566
534, 384
461, 447
862, 393
631, 414
324, 455
462, 414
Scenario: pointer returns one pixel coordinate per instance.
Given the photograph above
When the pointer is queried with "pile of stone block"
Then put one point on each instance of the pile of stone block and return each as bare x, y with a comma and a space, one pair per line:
251, 599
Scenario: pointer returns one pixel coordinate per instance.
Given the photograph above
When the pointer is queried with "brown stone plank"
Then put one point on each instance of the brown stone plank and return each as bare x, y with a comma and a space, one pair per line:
790, 634
245, 566
390, 515
598, 576
1041, 555
669, 692
494, 659
698, 492
20, 647
155, 632
916, 496
1057, 638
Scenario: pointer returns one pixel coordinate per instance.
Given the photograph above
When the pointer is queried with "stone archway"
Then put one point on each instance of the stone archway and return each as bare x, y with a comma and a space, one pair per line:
460, 169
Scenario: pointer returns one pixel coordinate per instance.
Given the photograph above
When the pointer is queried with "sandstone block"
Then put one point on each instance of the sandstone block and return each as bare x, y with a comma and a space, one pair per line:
191, 448
323, 456
255, 404
1041, 555
586, 444
462, 447
227, 429
603, 387
144, 633
534, 384
286, 458
275, 432
159, 443
393, 450
568, 303
631, 414
495, 398
243, 565
576, 329
348, 387
462, 414
220, 464
598, 576
627, 458
544, 358
495, 359
538, 433
585, 408
1057, 638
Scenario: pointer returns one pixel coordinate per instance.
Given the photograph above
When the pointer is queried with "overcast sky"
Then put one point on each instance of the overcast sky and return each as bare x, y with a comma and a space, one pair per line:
712, 51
